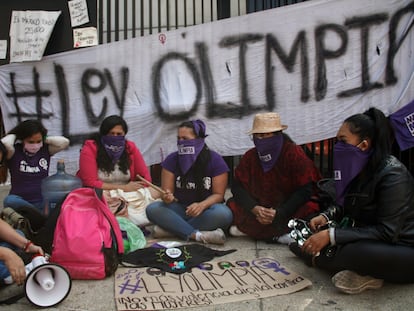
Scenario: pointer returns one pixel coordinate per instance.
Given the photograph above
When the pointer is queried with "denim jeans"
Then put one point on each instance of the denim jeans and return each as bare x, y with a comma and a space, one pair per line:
172, 218
4, 272
15, 201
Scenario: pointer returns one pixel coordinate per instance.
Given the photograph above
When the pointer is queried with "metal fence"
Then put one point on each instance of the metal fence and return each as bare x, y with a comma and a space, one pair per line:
121, 20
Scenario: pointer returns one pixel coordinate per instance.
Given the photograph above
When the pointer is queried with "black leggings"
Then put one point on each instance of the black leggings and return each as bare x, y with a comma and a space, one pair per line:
392, 263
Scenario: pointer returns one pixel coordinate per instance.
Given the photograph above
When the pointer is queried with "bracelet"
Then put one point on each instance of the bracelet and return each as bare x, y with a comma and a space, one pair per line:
332, 236
27, 245
326, 216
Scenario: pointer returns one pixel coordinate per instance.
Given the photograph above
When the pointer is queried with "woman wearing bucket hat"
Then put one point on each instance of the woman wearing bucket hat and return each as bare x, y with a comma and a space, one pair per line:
195, 180
273, 182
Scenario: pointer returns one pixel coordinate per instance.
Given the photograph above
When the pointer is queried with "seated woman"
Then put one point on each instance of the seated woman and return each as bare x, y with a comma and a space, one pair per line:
374, 207
272, 183
195, 180
110, 161
28, 158
12, 242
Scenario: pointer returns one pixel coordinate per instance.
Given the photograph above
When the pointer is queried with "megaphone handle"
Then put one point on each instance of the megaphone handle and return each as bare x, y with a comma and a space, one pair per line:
9, 280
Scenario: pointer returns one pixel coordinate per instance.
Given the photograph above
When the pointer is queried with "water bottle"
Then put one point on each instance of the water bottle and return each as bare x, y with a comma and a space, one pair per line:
57, 186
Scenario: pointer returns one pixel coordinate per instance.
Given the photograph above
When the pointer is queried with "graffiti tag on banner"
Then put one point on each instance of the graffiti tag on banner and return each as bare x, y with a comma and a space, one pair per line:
344, 57
210, 283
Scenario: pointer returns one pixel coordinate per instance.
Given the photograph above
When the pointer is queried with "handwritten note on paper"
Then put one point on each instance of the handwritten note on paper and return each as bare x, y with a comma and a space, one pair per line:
3, 49
87, 36
78, 10
29, 33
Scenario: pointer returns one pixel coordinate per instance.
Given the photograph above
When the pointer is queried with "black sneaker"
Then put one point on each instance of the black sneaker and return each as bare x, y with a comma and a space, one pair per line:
295, 248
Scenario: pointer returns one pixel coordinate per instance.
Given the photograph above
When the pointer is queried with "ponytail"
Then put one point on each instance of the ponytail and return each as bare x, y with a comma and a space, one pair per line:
373, 125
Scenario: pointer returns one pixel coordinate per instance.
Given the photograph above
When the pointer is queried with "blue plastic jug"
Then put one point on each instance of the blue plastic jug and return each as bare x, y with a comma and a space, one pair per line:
57, 186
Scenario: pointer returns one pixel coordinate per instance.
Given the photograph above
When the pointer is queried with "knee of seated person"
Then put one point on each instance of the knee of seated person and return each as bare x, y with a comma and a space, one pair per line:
154, 207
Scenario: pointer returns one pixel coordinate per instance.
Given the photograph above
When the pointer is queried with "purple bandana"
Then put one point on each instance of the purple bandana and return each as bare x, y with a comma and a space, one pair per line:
268, 150
199, 128
114, 146
403, 123
349, 160
188, 151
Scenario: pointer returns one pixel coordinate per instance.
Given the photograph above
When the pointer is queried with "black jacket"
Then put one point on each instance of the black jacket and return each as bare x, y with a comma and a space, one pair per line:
381, 206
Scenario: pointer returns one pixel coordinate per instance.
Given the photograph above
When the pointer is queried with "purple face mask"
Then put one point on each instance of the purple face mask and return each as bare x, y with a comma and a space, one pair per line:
188, 151
268, 150
114, 146
349, 161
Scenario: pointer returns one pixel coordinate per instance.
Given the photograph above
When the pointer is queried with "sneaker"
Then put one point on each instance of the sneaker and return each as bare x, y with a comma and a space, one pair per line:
213, 237
352, 283
285, 239
158, 232
234, 231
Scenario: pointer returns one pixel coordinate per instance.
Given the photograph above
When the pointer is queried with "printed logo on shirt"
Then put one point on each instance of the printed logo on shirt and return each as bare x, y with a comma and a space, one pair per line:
191, 185
207, 183
43, 163
26, 168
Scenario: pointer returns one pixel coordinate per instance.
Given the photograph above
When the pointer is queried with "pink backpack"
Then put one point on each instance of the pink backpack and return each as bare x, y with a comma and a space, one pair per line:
87, 240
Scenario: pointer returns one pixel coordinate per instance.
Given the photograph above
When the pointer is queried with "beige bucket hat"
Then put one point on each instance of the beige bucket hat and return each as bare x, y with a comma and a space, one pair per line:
267, 122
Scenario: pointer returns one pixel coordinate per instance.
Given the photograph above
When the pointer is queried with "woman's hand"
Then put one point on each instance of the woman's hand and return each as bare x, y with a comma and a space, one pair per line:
35, 249
194, 209
317, 222
132, 186
316, 242
264, 215
168, 197
14, 264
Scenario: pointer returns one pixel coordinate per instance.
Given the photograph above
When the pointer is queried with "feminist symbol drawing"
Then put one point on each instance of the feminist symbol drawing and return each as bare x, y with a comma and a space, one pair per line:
162, 37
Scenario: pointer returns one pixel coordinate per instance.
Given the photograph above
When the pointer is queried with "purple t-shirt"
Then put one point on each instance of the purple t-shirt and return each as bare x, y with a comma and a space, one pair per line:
27, 172
186, 193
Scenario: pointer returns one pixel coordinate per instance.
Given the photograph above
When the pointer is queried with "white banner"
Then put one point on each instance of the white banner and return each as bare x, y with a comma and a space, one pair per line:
315, 63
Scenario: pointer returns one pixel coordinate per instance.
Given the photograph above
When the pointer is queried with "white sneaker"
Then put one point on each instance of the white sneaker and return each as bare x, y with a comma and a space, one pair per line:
213, 237
285, 239
158, 232
234, 231
352, 283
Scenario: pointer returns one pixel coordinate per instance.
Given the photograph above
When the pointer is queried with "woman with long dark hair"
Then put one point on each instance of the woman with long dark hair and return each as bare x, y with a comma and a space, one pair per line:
109, 161
195, 180
373, 240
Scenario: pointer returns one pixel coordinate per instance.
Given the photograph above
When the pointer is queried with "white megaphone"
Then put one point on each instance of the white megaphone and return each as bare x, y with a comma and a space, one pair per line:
46, 284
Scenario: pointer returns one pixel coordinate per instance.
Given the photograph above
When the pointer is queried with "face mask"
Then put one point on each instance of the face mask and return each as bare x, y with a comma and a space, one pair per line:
348, 162
114, 146
268, 150
33, 148
188, 151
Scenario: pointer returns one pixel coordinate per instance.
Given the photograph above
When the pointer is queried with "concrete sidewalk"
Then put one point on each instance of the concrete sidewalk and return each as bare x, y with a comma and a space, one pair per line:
99, 295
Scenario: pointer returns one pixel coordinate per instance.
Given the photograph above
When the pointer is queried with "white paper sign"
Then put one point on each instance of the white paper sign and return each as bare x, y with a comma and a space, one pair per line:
29, 34
87, 36
78, 10
3, 49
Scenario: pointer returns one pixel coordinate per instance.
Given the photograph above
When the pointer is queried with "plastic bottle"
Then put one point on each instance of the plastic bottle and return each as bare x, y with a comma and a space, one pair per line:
57, 186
